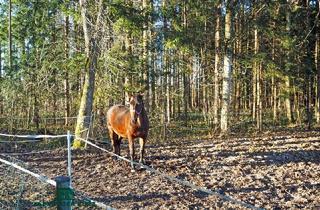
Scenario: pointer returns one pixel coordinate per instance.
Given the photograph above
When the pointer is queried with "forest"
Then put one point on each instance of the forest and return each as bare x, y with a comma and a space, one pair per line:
232, 65
231, 101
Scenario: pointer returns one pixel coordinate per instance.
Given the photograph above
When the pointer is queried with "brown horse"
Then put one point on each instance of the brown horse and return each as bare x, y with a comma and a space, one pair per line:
128, 123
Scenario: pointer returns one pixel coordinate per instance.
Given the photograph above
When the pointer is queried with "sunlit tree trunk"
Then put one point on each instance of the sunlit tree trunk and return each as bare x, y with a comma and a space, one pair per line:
166, 70
54, 75
167, 93
204, 79
10, 35
66, 79
227, 70
36, 113
153, 82
0, 59
216, 69
287, 64
1, 99
316, 60
238, 76
128, 80
274, 87
145, 5
256, 104
259, 102
254, 72
91, 50
186, 93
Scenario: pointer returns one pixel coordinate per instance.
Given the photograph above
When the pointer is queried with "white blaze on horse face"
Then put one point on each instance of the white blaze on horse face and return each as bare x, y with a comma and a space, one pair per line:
133, 105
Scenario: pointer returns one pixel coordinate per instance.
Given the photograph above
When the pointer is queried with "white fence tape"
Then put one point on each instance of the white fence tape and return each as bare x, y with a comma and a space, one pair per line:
38, 176
51, 182
170, 178
174, 179
34, 136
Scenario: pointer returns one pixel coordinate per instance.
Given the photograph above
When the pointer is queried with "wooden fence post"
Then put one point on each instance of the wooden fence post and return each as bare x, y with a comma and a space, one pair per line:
64, 193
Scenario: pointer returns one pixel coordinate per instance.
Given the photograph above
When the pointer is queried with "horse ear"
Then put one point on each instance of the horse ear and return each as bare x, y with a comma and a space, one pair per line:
140, 96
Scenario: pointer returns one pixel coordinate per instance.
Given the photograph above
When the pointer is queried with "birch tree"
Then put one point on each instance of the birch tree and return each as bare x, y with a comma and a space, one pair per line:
227, 69
216, 68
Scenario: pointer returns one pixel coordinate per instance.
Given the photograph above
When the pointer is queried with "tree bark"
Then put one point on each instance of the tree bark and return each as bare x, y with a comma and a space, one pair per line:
66, 79
216, 70
256, 104
309, 64
186, 92
316, 61
10, 35
145, 53
1, 99
153, 83
274, 87
91, 50
0, 59
227, 71
287, 64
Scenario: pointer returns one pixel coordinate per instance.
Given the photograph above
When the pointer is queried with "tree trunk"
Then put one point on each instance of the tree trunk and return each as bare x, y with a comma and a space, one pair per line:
168, 115
0, 60
186, 93
86, 103
36, 114
256, 104
254, 76
54, 76
10, 35
274, 87
259, 102
317, 66
216, 70
287, 64
227, 70
1, 100
66, 79
179, 87
309, 64
316, 60
238, 75
145, 5
173, 84
153, 83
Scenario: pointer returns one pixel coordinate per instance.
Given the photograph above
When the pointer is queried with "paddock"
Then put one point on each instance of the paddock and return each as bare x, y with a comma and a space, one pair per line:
274, 172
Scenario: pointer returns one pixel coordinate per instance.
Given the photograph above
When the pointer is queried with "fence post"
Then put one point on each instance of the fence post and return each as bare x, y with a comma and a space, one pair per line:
64, 193
69, 155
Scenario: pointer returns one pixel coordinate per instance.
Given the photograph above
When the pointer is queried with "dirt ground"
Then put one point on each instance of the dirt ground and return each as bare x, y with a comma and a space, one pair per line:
273, 172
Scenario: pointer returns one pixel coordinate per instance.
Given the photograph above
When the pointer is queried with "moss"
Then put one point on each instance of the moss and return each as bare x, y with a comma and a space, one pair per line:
78, 144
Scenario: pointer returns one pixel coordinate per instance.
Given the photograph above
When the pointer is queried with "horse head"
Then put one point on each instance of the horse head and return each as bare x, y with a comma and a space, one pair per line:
136, 107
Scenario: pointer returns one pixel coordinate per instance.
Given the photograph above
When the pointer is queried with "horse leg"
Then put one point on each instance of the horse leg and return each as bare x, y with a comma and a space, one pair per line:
142, 143
131, 149
118, 143
114, 139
